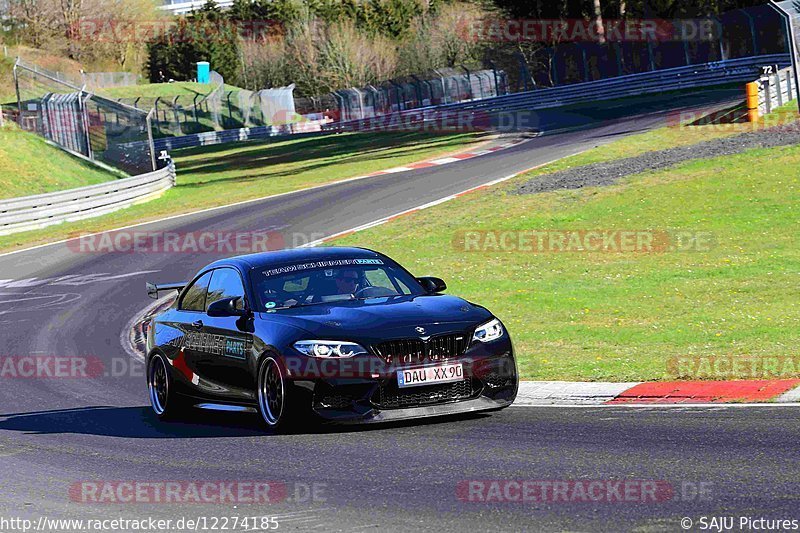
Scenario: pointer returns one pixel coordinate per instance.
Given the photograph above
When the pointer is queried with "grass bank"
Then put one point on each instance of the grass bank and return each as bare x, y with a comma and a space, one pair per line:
217, 175
620, 316
28, 165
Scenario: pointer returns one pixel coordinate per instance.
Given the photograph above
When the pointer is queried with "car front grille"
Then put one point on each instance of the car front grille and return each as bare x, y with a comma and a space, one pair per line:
414, 351
390, 396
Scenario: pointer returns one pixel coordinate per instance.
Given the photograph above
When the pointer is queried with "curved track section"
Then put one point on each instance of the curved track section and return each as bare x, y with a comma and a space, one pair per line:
57, 432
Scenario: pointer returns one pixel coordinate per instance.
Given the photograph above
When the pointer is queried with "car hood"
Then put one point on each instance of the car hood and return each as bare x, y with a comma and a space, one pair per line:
383, 317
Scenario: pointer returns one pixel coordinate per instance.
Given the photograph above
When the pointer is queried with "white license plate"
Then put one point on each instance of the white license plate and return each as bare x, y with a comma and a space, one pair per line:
430, 375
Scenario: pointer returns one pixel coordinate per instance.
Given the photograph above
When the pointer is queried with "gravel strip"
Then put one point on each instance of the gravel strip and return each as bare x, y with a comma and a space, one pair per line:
609, 172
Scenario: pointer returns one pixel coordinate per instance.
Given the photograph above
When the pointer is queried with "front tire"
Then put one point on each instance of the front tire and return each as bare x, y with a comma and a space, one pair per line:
164, 401
273, 395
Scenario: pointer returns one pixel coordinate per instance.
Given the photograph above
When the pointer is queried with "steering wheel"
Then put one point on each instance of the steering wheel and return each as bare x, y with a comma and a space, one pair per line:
374, 292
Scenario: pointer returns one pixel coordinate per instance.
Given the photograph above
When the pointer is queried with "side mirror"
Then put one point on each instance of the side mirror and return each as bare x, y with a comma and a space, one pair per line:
226, 307
432, 285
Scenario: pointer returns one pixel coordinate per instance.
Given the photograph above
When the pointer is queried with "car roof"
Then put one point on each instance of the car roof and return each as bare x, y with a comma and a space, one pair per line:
294, 255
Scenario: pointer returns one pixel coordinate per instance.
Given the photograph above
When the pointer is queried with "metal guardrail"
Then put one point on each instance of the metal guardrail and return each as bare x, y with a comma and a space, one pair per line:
34, 212
680, 78
209, 138
774, 90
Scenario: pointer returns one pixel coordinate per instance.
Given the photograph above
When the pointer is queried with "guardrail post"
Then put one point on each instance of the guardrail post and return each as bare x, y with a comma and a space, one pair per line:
789, 88
767, 95
779, 88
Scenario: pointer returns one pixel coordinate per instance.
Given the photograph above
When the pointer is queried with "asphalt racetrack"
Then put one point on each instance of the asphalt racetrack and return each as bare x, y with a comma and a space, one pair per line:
58, 434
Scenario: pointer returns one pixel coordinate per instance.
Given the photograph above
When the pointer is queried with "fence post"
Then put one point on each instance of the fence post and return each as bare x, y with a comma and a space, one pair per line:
85, 118
230, 110
16, 88
150, 142
155, 107
469, 83
496, 80
418, 89
338, 99
444, 89
779, 88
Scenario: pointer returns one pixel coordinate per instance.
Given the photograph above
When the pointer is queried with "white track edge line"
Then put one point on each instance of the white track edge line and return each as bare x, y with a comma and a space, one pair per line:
226, 206
433, 203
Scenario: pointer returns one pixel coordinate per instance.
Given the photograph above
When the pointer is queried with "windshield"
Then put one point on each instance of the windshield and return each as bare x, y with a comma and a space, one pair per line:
337, 280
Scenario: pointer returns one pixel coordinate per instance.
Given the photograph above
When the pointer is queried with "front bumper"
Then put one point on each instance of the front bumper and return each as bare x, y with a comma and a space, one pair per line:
490, 383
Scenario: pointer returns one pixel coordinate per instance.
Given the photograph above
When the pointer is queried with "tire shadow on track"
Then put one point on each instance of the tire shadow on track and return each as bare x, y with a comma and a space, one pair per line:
141, 423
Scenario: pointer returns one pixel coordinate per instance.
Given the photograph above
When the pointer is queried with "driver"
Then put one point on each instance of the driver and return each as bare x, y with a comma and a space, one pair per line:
346, 281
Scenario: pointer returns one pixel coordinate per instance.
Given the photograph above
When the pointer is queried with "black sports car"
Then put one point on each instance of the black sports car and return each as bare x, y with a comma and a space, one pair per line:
344, 333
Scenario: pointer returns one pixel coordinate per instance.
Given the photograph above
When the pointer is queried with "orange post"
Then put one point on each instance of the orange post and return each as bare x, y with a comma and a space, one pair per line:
752, 101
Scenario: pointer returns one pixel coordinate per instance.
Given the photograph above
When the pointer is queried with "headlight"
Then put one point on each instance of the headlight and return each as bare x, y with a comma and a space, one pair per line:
488, 332
329, 348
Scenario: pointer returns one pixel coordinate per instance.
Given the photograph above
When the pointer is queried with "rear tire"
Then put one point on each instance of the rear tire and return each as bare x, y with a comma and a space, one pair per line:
274, 396
166, 404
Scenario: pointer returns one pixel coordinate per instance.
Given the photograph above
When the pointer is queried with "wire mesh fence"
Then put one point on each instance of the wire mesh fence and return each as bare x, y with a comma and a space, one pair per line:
60, 110
444, 86
219, 109
111, 128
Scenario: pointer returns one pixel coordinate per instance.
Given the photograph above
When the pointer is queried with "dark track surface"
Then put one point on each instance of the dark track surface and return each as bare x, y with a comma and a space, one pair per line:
55, 432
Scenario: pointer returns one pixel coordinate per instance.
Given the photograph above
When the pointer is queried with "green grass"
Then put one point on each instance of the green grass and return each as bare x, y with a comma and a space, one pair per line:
218, 175
48, 169
154, 90
623, 316
7, 91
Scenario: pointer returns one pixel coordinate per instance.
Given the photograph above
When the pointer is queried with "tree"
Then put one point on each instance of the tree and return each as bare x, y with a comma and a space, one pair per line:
203, 36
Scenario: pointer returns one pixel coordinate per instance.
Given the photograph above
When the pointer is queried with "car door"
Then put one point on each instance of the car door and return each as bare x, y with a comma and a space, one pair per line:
189, 319
228, 344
